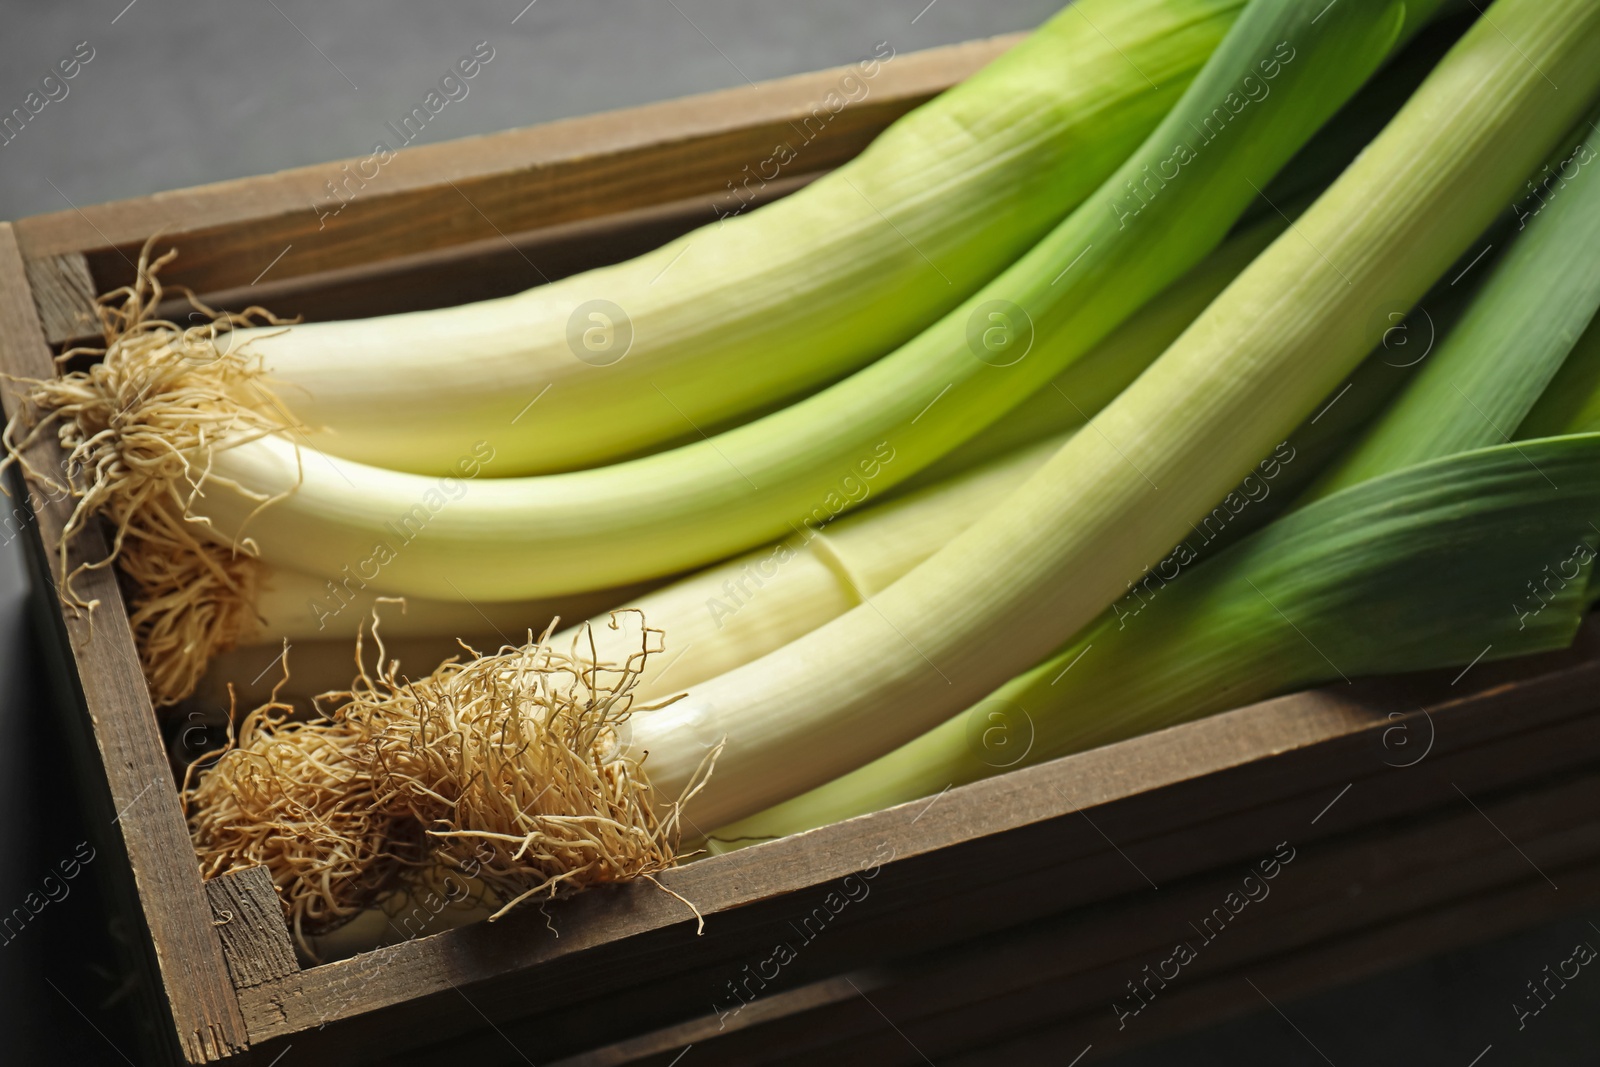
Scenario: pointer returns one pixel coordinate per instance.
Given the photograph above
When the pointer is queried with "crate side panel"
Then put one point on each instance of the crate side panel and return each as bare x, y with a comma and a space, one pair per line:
1163, 787
131, 753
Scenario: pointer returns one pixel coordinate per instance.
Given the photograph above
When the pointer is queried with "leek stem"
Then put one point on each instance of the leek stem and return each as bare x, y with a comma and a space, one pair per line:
1493, 366
1414, 570
759, 307
512, 538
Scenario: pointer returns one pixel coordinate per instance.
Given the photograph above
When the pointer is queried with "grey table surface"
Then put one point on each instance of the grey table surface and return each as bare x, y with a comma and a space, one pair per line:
178, 93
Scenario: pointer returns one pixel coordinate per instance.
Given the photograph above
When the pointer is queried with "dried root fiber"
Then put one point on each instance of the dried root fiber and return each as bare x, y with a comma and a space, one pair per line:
138, 428
296, 798
509, 769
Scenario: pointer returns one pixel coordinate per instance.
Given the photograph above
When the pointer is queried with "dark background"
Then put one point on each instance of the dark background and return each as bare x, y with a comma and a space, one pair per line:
180, 93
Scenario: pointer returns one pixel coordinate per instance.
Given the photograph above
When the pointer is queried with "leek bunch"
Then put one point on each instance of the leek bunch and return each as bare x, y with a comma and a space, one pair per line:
226, 480
515, 538
1429, 542
1408, 571
922, 438
1019, 583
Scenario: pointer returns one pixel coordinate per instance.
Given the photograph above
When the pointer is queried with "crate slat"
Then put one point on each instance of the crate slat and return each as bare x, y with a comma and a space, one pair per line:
151, 826
432, 196
63, 293
249, 919
1059, 978
1175, 802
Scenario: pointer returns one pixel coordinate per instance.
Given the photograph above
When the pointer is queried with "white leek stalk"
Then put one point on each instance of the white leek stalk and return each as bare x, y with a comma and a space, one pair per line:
876, 545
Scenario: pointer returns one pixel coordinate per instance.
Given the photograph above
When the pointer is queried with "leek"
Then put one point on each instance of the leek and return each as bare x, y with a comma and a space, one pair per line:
1494, 365
1017, 584
761, 307
297, 606
1405, 572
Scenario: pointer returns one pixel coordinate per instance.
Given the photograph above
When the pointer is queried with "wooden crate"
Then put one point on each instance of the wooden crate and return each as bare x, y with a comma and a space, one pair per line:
1001, 922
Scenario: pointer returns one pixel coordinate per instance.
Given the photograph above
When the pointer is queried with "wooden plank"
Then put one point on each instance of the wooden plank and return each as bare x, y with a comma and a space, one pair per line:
63, 293
133, 761
1097, 945
828, 992
432, 196
1330, 963
1334, 888
249, 920
79, 767
1064, 974
1139, 775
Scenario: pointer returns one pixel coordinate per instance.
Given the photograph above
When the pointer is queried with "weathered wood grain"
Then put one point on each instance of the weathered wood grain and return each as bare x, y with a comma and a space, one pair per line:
249, 920
986, 1000
1329, 961
63, 293
1175, 802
